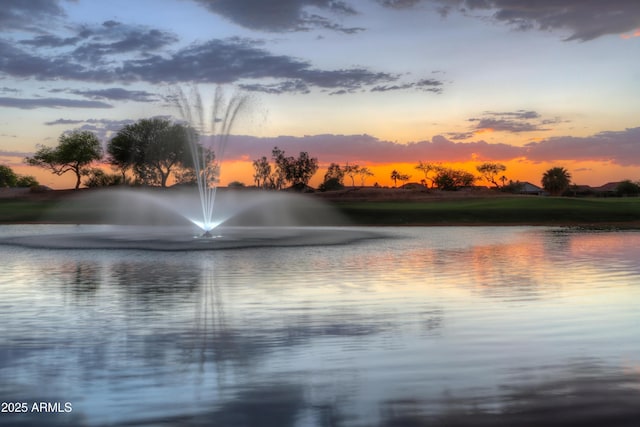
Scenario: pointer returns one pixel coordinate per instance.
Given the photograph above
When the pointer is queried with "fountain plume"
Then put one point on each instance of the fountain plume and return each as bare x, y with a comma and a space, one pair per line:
207, 157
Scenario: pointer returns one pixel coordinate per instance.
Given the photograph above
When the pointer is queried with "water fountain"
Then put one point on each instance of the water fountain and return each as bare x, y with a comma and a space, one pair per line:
194, 218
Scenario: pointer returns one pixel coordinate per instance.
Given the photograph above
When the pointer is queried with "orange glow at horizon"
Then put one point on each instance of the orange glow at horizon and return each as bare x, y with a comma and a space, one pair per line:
627, 36
586, 173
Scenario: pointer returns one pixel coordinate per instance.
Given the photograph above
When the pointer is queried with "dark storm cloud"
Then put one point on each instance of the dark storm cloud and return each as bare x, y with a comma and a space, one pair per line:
280, 15
117, 94
584, 20
28, 14
28, 104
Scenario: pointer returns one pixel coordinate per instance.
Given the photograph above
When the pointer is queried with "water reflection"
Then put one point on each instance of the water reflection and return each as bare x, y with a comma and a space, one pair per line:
483, 326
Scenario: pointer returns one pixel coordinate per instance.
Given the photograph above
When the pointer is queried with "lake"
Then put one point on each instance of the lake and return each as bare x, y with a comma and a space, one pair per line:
455, 326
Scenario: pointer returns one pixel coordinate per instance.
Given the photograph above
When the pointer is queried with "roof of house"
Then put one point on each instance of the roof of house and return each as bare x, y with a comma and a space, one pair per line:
528, 187
609, 186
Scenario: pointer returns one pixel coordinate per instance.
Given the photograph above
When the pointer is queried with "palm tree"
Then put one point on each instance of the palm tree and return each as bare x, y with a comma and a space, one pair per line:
556, 180
395, 175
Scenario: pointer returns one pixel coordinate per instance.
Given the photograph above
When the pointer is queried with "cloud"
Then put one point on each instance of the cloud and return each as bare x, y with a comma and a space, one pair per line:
29, 15
280, 15
19, 63
367, 149
114, 38
50, 41
117, 94
217, 61
231, 60
584, 20
512, 121
290, 86
426, 85
104, 129
618, 147
4, 153
31, 103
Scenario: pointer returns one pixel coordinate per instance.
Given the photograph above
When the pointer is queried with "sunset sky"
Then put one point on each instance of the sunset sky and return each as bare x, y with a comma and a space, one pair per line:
380, 83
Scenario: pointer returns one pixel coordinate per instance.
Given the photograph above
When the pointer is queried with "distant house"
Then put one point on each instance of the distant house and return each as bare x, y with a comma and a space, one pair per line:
581, 190
529, 188
608, 189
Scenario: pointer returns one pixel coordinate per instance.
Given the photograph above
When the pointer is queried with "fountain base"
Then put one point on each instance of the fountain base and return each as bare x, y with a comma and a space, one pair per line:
180, 239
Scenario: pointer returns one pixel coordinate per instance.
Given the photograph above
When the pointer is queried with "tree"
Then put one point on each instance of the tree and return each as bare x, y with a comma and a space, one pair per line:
262, 172
628, 188
278, 177
427, 168
490, 171
333, 178
351, 171
302, 169
296, 171
27, 181
395, 176
556, 180
74, 152
452, 179
96, 177
153, 149
8, 177
364, 174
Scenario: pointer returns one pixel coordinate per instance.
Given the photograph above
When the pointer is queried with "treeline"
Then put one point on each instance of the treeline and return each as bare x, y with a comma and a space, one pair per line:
156, 152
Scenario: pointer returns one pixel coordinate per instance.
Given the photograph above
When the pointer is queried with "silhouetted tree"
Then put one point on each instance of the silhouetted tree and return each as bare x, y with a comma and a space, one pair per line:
153, 149
452, 179
427, 168
556, 180
628, 188
74, 152
333, 178
351, 171
8, 177
98, 178
298, 171
395, 176
364, 173
262, 172
490, 171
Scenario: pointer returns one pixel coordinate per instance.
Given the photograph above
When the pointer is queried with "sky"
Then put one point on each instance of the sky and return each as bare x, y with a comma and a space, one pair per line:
380, 83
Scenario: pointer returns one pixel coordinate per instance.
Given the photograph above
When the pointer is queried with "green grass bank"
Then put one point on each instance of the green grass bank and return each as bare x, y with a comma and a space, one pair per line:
532, 210
496, 211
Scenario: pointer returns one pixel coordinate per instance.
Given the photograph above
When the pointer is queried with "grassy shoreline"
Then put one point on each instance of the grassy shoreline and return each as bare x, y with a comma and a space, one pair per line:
390, 208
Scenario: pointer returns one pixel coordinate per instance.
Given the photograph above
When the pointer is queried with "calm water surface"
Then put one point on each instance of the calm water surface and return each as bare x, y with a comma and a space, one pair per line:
455, 326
